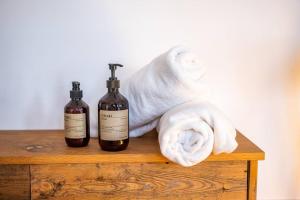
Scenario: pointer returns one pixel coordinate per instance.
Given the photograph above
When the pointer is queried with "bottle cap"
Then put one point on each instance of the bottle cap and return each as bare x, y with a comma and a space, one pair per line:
113, 81
76, 92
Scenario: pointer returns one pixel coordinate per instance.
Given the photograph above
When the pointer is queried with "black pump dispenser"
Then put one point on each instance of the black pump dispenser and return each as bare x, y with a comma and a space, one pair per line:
113, 81
75, 93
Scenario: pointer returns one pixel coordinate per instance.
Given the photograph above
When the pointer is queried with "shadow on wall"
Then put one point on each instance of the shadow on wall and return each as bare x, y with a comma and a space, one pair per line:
293, 115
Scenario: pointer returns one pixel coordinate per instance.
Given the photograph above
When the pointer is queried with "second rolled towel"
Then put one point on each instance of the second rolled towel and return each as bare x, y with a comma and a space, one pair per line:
189, 132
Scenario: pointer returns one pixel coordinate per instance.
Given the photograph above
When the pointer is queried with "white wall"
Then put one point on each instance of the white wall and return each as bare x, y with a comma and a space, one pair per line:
249, 47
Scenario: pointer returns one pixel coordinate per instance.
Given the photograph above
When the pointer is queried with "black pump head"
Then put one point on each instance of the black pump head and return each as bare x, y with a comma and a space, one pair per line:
76, 85
113, 81
76, 93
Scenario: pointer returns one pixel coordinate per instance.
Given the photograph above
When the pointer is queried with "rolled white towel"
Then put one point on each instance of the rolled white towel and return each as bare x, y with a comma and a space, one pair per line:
170, 79
189, 132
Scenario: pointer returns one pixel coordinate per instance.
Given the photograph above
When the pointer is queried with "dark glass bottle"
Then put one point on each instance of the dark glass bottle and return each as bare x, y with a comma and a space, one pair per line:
77, 122
113, 116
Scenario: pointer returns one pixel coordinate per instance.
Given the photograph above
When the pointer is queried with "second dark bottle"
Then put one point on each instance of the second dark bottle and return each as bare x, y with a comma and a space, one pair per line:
113, 115
77, 122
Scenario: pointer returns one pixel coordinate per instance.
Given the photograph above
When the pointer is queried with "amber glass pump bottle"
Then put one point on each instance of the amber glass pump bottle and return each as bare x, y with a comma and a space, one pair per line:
113, 116
77, 122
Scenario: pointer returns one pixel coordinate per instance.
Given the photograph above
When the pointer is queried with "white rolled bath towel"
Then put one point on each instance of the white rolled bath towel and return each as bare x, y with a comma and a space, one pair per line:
172, 78
189, 132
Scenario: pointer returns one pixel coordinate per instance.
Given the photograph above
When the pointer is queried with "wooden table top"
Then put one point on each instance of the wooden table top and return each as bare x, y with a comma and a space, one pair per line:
48, 146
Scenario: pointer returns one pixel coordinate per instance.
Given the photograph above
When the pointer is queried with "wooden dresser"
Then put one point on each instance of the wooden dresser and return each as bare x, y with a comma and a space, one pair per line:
38, 165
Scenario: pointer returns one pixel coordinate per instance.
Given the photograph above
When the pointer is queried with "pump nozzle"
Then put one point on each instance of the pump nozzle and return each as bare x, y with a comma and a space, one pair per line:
113, 81
76, 85
76, 92
113, 68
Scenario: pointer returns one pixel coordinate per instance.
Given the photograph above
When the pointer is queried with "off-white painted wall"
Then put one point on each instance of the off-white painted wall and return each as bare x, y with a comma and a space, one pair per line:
249, 47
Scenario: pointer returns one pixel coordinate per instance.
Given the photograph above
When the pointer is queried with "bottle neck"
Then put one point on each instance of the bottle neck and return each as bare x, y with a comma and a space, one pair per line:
113, 90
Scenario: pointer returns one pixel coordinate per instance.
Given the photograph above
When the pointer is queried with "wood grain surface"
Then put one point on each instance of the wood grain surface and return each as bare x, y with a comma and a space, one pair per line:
14, 182
48, 146
208, 180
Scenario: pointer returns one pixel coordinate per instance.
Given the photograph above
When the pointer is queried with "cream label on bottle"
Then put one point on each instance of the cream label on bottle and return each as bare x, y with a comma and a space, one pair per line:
75, 125
113, 125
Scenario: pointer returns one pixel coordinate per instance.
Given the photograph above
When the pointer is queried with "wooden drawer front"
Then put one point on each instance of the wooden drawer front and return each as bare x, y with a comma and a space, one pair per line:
14, 182
208, 180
